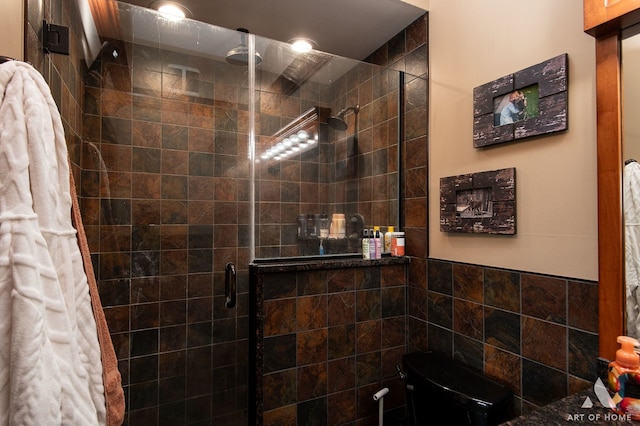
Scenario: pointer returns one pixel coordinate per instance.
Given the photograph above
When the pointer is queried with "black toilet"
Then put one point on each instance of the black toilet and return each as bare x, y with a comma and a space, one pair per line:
443, 391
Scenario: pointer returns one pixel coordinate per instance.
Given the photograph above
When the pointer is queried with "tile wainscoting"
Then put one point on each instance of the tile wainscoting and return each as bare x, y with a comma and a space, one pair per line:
535, 332
327, 335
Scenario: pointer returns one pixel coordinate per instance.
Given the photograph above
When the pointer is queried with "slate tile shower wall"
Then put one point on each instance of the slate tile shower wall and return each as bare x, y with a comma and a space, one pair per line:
317, 322
165, 201
166, 205
408, 51
364, 165
328, 337
536, 333
152, 245
285, 189
352, 171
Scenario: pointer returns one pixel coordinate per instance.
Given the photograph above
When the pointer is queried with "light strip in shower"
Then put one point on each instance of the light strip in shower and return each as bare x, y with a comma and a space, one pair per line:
299, 136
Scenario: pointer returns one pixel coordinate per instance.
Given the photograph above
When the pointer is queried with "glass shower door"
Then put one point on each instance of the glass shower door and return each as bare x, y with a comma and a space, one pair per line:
327, 149
167, 202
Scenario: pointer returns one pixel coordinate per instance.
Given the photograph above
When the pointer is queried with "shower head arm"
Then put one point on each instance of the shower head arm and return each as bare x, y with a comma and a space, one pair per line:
243, 36
355, 110
338, 122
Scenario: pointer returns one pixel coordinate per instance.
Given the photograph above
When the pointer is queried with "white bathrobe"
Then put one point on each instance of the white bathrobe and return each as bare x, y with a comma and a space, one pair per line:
631, 202
50, 367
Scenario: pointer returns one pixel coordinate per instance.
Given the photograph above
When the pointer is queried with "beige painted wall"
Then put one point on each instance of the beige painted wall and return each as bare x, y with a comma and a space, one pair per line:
472, 43
12, 28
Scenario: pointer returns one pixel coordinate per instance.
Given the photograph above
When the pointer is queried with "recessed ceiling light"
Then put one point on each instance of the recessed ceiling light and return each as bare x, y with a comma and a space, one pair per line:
171, 10
302, 45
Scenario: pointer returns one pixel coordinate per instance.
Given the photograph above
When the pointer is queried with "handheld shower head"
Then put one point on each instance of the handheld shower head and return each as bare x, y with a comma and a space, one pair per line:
337, 122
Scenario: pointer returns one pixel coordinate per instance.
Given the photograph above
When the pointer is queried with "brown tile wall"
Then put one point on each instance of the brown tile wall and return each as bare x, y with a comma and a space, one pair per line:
329, 339
365, 157
287, 188
165, 206
352, 172
356, 171
165, 203
155, 169
326, 362
536, 333
408, 51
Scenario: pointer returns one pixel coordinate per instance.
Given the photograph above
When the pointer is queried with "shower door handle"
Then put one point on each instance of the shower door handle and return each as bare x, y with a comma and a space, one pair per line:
230, 285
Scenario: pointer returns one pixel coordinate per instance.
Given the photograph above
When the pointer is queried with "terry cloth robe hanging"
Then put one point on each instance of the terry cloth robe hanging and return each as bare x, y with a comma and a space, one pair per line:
50, 367
631, 202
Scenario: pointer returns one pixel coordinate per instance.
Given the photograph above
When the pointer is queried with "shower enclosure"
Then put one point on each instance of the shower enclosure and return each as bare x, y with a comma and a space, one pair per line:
194, 166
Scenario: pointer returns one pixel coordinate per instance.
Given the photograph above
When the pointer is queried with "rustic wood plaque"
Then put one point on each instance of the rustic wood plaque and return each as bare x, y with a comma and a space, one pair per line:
480, 203
530, 102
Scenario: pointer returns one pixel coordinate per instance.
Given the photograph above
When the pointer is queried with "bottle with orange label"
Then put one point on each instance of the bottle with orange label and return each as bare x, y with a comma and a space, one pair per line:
397, 244
624, 378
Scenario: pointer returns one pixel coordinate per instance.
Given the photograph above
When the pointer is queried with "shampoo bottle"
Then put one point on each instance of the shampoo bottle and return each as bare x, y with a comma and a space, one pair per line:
387, 239
624, 378
372, 244
365, 244
378, 242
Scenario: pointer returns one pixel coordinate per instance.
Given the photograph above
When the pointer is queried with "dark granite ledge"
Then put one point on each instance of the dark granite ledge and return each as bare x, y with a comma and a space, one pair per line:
311, 263
569, 411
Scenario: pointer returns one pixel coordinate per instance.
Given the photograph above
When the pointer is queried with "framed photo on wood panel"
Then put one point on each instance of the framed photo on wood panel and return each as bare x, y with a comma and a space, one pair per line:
530, 102
480, 203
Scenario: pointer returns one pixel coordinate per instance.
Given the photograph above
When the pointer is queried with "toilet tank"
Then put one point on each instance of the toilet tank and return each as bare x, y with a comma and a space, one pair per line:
441, 390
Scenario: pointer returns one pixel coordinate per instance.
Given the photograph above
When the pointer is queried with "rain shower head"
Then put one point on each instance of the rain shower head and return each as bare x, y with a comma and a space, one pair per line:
337, 121
239, 55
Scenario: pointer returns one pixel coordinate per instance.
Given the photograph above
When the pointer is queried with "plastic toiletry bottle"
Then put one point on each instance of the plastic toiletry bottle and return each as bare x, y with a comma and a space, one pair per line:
321, 248
387, 240
317, 224
624, 378
365, 244
311, 228
397, 244
372, 244
302, 225
378, 242
324, 226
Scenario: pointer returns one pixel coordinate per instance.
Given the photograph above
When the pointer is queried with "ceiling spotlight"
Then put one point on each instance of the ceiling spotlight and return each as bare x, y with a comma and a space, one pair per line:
302, 45
171, 10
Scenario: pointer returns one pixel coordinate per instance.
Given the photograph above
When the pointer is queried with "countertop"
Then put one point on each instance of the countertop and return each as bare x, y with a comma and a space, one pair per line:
569, 411
308, 263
